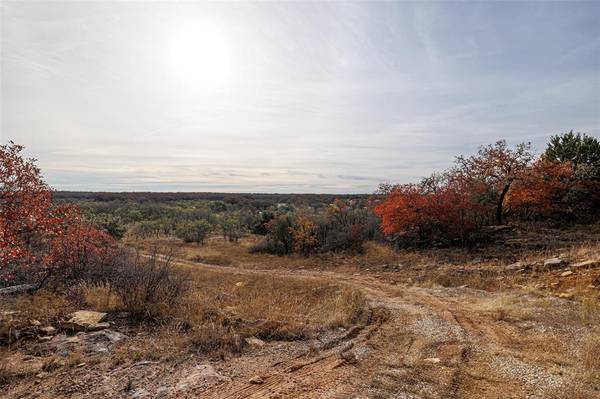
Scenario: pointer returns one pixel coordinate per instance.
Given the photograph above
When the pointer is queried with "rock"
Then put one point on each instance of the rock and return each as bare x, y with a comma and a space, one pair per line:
83, 320
17, 289
432, 360
98, 326
255, 342
565, 295
122, 315
586, 264
35, 323
203, 375
101, 341
256, 380
349, 357
566, 274
92, 342
554, 263
162, 392
48, 330
239, 284
140, 394
514, 266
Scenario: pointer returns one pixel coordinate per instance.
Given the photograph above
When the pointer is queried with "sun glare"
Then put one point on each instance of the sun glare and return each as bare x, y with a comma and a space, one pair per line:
201, 56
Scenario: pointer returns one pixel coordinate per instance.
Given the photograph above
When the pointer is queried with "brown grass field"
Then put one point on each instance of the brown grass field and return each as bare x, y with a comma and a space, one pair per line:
431, 323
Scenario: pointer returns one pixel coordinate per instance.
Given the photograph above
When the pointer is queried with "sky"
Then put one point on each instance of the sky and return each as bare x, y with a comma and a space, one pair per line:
328, 97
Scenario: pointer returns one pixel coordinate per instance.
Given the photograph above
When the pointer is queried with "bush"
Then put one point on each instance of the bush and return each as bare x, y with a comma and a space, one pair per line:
146, 286
269, 247
193, 231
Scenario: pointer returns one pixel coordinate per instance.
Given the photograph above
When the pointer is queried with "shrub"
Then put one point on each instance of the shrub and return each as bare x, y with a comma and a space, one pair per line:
442, 208
193, 231
268, 246
148, 286
231, 228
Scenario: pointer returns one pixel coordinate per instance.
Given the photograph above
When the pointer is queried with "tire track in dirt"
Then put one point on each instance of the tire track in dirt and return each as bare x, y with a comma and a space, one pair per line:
438, 350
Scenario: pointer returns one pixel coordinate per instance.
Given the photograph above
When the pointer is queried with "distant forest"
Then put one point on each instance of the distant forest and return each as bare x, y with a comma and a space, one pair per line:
231, 198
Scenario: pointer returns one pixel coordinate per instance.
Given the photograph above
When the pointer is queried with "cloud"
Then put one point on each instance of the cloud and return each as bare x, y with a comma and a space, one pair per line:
325, 97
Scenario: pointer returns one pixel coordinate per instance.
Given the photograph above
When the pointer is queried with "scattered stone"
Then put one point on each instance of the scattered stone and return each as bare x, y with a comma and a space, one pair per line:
17, 289
434, 360
566, 274
98, 326
143, 363
93, 342
239, 284
41, 375
83, 320
162, 392
586, 264
554, 284
349, 357
554, 263
257, 380
202, 375
48, 330
35, 323
565, 295
515, 266
255, 342
121, 315
140, 394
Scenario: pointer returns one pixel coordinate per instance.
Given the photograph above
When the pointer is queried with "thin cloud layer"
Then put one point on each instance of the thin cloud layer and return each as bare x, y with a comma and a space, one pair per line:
318, 97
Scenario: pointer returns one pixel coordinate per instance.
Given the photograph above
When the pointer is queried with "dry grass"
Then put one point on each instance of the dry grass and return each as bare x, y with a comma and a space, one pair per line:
99, 296
44, 306
591, 357
4, 373
222, 309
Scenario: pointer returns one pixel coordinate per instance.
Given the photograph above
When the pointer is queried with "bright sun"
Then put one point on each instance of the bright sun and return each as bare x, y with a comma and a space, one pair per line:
201, 56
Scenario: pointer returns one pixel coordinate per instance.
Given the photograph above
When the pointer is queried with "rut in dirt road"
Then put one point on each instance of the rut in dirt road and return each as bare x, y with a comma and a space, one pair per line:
419, 343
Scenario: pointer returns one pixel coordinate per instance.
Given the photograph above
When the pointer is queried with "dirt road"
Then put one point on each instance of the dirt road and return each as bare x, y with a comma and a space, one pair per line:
416, 342
423, 343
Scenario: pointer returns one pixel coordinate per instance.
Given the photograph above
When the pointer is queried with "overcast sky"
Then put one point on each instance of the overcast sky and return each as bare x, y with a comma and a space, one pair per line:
294, 97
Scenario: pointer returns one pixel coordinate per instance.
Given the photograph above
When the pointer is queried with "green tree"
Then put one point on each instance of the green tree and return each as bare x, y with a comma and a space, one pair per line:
194, 231
579, 149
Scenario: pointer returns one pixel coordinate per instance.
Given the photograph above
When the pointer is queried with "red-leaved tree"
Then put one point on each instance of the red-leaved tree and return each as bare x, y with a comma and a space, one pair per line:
37, 239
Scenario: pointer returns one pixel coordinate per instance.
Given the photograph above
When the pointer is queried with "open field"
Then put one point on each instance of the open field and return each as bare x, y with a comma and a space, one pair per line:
384, 324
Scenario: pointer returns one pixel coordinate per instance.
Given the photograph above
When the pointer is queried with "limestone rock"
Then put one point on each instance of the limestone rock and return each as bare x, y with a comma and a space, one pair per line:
48, 330
257, 379
565, 295
83, 320
203, 375
566, 274
554, 263
92, 342
255, 342
588, 264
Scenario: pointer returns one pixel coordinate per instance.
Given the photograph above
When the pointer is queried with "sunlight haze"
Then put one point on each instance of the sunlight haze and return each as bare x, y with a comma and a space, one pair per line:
287, 97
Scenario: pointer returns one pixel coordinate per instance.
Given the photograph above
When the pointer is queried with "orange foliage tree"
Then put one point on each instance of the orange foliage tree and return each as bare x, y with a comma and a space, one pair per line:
495, 167
543, 190
37, 239
441, 207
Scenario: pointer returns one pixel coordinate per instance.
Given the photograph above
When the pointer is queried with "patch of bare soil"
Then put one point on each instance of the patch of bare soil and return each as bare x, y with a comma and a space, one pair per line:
417, 342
